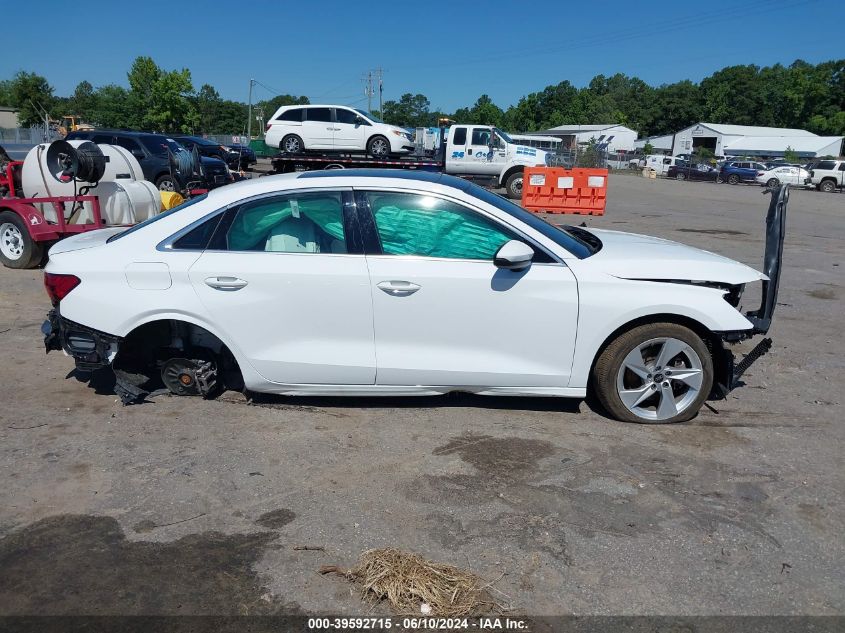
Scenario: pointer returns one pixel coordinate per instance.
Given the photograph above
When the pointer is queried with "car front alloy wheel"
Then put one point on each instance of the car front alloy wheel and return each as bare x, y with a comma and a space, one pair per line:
655, 373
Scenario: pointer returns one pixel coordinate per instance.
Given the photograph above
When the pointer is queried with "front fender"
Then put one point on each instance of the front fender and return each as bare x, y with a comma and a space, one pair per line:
606, 306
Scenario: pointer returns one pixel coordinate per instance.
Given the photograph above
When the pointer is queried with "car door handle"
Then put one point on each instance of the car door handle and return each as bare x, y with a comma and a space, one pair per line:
225, 283
398, 288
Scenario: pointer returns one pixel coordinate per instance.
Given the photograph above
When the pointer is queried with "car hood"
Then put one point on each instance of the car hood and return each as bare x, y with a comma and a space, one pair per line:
632, 256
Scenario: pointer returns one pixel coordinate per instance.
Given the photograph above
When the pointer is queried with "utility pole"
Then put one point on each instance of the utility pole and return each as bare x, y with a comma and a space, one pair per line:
249, 115
368, 89
380, 92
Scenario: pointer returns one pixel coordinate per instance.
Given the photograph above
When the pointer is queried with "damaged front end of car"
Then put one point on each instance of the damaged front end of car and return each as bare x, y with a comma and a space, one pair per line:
729, 372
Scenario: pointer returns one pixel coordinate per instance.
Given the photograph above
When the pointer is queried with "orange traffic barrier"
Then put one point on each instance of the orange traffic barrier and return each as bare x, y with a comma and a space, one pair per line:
557, 190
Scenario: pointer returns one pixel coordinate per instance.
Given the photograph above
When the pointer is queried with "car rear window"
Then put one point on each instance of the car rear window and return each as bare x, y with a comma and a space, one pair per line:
158, 144
826, 164
291, 115
156, 218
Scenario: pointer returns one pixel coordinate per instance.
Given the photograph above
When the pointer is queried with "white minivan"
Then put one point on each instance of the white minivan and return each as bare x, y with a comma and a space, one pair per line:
299, 128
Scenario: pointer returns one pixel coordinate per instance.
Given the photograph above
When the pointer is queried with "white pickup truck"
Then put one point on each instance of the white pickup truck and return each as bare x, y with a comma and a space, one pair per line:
827, 175
479, 152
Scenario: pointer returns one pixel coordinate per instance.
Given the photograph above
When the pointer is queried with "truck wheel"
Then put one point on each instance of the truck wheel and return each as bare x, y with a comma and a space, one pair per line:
17, 248
733, 179
656, 373
828, 186
681, 176
513, 186
292, 144
378, 147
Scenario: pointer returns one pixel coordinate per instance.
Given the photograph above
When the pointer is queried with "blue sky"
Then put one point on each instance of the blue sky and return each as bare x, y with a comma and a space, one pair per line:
450, 51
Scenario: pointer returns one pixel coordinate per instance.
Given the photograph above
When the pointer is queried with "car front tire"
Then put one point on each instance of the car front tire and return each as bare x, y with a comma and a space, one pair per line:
378, 147
733, 179
513, 186
657, 373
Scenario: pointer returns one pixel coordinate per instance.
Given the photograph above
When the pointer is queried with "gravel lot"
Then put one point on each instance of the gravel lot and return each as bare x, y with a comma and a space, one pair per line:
191, 506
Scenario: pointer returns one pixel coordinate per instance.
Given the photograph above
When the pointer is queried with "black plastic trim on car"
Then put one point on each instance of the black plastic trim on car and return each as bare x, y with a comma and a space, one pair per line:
761, 318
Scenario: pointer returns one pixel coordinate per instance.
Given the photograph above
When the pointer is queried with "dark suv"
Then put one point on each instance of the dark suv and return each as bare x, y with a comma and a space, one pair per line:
151, 152
235, 158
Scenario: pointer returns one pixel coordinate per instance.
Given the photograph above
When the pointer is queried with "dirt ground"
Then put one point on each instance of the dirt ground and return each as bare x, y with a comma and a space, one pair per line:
191, 506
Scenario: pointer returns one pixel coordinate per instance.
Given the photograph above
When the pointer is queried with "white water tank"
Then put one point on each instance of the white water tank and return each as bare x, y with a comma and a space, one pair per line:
125, 197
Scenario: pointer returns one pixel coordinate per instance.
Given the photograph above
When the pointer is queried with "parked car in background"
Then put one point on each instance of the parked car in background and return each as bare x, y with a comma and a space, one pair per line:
785, 174
246, 155
250, 280
661, 163
687, 171
151, 150
212, 149
734, 172
827, 175
297, 129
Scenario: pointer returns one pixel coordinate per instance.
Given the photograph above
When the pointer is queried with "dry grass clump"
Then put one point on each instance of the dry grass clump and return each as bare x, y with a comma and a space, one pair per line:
407, 581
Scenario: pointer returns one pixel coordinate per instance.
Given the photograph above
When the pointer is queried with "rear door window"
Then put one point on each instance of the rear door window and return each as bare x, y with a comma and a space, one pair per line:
460, 137
295, 223
319, 114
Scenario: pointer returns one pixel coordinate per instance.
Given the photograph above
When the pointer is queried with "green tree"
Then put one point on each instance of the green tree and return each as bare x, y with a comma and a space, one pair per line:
648, 148
82, 101
790, 155
589, 155
409, 111
143, 77
111, 107
30, 93
172, 109
5, 92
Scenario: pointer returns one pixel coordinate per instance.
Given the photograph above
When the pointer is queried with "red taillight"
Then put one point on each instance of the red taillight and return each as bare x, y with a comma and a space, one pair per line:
59, 286
267, 128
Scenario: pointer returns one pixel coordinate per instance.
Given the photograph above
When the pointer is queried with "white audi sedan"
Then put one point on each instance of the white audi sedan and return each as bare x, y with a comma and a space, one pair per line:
399, 283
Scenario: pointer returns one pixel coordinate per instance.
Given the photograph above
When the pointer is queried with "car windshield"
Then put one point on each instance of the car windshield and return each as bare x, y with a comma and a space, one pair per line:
577, 241
159, 145
156, 218
504, 136
369, 115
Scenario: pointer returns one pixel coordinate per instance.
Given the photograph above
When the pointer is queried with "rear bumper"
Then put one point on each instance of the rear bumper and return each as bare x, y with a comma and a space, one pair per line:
89, 348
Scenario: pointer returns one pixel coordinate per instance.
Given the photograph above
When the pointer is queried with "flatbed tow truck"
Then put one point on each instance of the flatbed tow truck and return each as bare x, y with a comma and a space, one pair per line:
476, 152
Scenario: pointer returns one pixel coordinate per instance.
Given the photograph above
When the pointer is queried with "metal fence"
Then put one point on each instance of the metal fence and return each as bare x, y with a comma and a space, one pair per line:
28, 135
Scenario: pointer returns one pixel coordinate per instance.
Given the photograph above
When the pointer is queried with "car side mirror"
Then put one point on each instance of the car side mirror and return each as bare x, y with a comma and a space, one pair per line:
359, 120
514, 255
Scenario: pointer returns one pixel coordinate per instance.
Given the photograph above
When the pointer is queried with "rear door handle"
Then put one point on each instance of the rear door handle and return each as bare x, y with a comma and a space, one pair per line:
398, 288
226, 283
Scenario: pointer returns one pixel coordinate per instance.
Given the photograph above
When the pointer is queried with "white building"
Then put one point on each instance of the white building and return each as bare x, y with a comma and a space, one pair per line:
750, 140
616, 137
8, 117
661, 144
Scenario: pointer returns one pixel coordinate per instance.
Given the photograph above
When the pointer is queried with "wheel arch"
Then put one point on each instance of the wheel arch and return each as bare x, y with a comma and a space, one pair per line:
162, 331
508, 172
711, 339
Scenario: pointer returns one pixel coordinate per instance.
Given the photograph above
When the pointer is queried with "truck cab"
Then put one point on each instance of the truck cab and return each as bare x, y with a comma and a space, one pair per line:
484, 150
